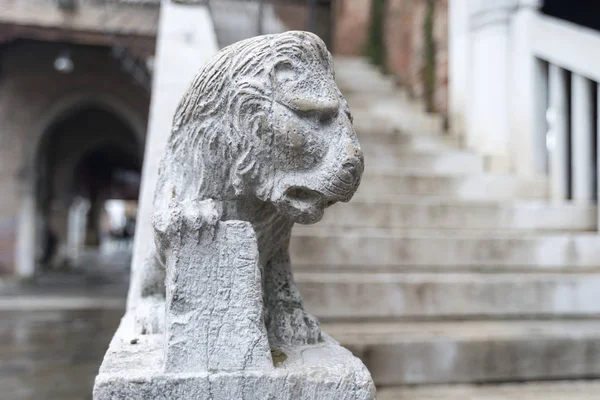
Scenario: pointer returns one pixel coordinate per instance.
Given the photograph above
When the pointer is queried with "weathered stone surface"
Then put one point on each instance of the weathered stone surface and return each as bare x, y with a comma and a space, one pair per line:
262, 139
214, 313
545, 390
442, 351
324, 371
265, 134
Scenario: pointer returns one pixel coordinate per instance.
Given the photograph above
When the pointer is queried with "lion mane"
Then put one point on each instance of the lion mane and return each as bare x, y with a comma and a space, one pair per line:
219, 133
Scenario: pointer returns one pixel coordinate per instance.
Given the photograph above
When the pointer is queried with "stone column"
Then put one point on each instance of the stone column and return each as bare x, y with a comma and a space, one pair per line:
76, 227
582, 135
489, 97
92, 228
598, 154
458, 63
27, 235
558, 131
527, 96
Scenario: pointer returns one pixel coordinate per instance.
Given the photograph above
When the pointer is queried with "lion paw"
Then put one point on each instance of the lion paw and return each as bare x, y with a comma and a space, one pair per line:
289, 324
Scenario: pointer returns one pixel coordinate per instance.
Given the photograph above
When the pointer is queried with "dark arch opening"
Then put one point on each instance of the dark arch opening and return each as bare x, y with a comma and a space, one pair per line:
88, 155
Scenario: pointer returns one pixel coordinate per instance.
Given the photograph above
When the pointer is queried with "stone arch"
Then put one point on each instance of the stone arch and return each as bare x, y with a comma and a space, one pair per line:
31, 216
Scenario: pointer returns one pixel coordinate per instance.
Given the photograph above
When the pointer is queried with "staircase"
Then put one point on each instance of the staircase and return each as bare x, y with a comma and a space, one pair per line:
440, 273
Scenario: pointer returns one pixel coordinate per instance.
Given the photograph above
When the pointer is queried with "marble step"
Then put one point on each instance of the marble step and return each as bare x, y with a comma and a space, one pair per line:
475, 186
415, 212
387, 116
358, 75
358, 247
561, 390
378, 143
374, 296
473, 351
439, 162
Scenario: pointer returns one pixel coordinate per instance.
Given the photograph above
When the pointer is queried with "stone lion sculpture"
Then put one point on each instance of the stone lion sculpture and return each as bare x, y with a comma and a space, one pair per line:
264, 136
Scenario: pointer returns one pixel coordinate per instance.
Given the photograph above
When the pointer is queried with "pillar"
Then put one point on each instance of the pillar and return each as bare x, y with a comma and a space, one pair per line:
458, 63
582, 135
489, 95
92, 229
27, 237
558, 130
527, 96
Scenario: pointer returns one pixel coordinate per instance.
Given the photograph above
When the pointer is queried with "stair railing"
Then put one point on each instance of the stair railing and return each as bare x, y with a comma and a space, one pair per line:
568, 62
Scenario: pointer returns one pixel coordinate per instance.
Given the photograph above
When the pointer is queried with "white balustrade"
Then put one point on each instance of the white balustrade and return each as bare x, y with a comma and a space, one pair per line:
582, 138
558, 127
524, 85
571, 52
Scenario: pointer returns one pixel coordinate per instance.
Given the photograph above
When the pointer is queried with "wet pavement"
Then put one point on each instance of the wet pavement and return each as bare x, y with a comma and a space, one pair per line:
55, 329
53, 355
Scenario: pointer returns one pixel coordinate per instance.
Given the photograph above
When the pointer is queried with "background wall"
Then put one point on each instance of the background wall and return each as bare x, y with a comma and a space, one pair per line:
351, 24
30, 88
408, 38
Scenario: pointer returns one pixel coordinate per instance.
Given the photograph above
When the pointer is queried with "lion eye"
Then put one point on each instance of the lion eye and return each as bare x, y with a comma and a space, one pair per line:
323, 109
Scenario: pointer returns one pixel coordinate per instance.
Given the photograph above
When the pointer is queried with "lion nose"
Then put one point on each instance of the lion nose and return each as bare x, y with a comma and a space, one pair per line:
352, 168
356, 152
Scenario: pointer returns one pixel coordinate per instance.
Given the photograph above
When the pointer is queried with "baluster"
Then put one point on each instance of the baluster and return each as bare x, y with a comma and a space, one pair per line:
557, 133
598, 156
540, 124
582, 127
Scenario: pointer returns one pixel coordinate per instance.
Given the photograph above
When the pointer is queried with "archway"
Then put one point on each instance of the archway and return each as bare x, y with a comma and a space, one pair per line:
87, 153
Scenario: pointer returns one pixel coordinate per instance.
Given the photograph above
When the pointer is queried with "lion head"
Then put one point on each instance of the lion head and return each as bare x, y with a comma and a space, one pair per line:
265, 119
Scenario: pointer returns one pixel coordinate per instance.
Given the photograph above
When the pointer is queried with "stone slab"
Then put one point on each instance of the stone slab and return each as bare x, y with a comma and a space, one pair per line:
477, 186
441, 162
434, 352
452, 248
372, 141
577, 390
443, 213
371, 296
133, 369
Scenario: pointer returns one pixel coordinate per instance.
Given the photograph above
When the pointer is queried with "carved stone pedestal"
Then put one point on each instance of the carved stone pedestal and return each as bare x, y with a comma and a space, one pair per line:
133, 369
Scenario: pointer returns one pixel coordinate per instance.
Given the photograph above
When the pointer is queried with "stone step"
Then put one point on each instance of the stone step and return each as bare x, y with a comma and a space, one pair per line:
388, 116
386, 105
473, 351
356, 75
476, 186
354, 85
434, 213
380, 248
374, 296
375, 142
441, 162
561, 390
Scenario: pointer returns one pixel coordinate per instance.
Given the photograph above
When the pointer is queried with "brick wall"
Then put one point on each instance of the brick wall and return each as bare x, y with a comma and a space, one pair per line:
296, 17
351, 20
405, 43
440, 32
406, 49
29, 89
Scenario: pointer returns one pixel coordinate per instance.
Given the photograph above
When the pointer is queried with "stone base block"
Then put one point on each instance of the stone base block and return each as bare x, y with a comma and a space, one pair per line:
133, 369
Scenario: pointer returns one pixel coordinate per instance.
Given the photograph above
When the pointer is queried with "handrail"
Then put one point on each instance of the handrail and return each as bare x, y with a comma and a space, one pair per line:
560, 42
